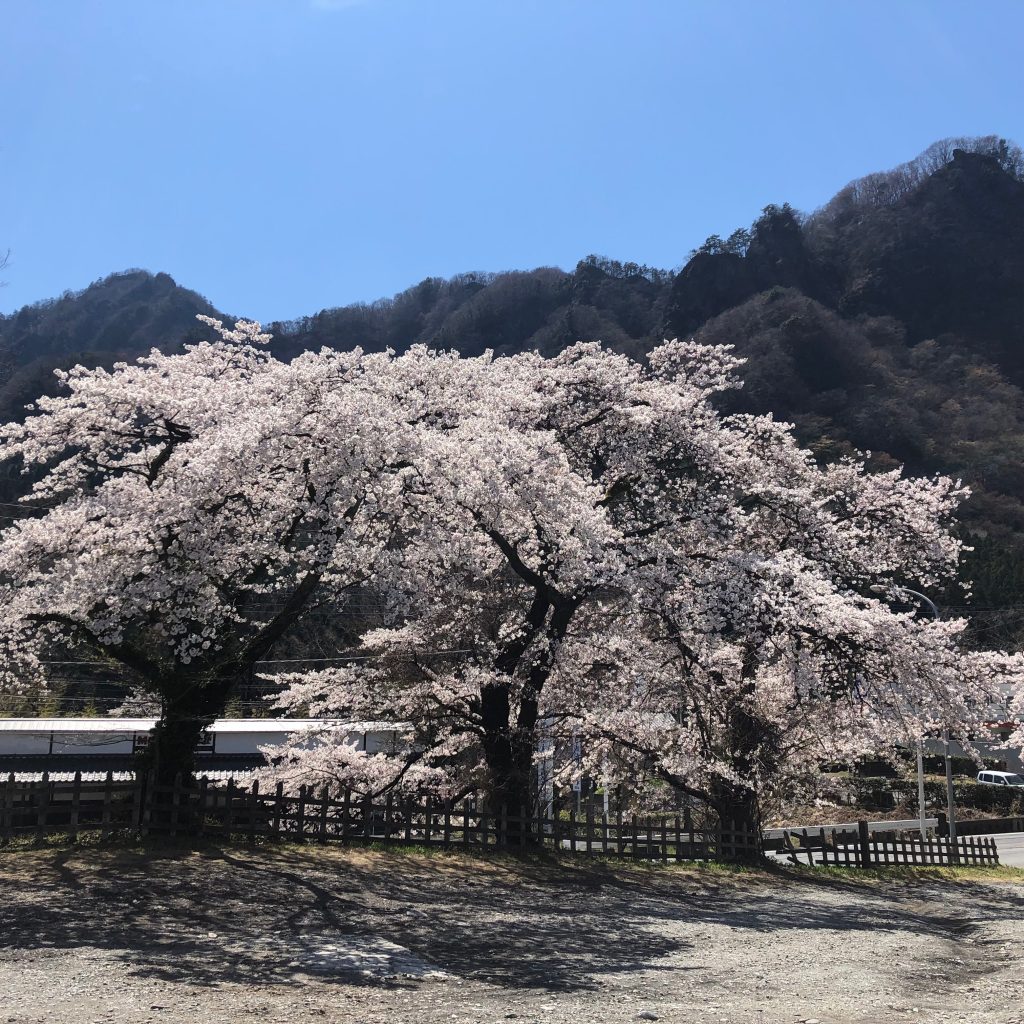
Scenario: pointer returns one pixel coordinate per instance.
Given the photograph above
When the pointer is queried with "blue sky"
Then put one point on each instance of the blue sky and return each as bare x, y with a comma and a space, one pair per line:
281, 156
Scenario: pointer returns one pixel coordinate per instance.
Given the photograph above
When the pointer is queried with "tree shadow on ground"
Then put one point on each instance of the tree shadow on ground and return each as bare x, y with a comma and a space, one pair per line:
229, 914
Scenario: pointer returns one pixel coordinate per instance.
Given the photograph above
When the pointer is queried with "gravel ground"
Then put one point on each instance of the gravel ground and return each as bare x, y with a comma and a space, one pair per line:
289, 935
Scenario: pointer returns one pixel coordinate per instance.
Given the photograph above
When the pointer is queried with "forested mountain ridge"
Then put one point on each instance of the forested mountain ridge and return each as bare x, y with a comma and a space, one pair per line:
946, 256
121, 317
890, 320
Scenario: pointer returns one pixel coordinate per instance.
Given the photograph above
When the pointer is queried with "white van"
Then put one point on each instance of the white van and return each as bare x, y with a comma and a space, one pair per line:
1000, 779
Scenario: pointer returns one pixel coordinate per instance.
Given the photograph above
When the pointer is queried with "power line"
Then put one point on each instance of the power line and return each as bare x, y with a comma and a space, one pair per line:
44, 700
297, 661
24, 504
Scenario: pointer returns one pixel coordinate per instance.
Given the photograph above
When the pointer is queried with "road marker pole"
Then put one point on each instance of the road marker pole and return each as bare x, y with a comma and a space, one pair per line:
950, 802
920, 786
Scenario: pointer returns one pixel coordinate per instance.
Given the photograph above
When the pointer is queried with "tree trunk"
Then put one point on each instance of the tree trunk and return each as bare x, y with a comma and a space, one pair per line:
509, 745
508, 752
752, 742
172, 746
739, 816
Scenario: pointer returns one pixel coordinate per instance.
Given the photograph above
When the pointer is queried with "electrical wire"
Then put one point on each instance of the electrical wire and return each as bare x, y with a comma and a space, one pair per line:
25, 504
296, 661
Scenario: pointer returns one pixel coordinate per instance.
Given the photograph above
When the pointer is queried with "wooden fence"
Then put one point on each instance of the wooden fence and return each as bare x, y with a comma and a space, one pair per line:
33, 810
862, 848
36, 809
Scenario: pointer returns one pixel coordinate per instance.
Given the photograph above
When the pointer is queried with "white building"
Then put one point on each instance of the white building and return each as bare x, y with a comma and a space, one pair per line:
30, 746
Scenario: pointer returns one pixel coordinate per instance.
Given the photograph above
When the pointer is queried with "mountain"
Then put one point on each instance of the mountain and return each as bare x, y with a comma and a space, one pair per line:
121, 317
128, 313
891, 320
543, 309
946, 257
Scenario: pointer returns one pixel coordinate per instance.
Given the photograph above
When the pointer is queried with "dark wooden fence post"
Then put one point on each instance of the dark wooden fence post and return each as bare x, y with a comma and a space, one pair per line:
278, 799
254, 805
108, 795
43, 803
200, 812
7, 814
229, 809
175, 803
325, 797
389, 809
368, 819
143, 789
346, 814
864, 843
76, 804
300, 816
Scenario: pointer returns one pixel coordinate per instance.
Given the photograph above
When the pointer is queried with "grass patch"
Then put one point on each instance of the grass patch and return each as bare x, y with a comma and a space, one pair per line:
558, 863
549, 862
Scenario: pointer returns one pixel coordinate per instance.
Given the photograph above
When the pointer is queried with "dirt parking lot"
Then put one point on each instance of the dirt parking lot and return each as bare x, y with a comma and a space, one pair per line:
234, 935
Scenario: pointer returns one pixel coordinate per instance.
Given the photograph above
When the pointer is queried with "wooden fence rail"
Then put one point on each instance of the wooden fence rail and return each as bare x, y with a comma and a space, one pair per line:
861, 848
36, 809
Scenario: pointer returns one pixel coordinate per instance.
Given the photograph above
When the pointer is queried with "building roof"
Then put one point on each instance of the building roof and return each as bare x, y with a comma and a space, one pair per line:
76, 724
132, 725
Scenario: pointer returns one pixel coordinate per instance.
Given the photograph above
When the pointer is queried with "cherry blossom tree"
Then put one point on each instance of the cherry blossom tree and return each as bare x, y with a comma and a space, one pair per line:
689, 595
198, 504
579, 547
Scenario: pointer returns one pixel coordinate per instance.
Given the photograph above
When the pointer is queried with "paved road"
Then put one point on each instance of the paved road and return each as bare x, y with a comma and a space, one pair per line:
1011, 848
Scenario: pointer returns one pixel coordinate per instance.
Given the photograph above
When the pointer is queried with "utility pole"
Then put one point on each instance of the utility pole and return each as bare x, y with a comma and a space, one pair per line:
950, 802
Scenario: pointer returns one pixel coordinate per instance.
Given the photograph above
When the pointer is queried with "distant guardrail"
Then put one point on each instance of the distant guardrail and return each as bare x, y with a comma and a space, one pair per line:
892, 825
984, 826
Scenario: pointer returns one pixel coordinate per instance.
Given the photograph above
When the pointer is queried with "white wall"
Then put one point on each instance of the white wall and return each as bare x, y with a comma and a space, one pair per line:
92, 743
89, 743
24, 742
244, 742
